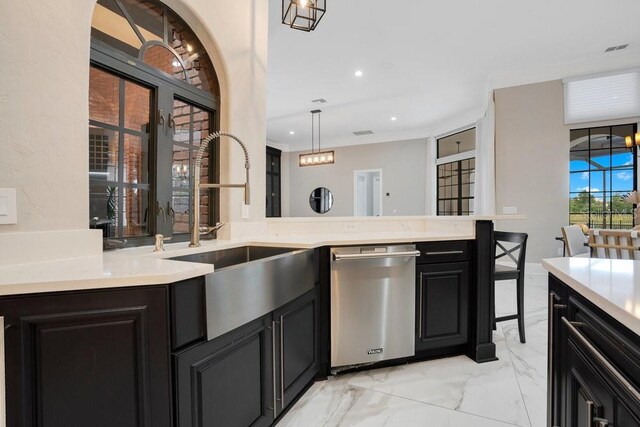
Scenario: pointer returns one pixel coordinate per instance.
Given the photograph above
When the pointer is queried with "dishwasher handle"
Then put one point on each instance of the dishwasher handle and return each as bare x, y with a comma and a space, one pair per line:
374, 255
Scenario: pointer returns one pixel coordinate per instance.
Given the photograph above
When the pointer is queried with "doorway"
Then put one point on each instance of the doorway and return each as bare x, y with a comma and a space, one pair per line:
367, 190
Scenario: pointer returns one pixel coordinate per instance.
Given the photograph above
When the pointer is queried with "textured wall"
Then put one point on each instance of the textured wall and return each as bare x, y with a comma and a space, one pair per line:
44, 75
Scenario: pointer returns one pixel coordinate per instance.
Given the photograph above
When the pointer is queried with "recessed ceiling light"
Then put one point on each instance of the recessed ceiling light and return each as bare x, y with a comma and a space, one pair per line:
394, 118
291, 132
358, 73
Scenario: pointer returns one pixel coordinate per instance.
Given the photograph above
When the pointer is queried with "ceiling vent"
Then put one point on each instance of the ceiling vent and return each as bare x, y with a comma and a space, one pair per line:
363, 132
614, 48
319, 100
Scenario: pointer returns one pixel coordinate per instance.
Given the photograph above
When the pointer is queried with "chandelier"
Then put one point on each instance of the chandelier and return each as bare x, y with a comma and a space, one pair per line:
316, 158
303, 14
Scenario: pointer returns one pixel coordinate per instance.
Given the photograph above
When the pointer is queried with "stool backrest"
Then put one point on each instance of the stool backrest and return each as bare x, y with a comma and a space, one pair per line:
574, 240
510, 247
615, 244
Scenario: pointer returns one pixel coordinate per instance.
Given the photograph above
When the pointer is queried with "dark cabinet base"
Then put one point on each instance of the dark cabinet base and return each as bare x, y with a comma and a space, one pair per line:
594, 364
442, 307
296, 347
227, 381
88, 358
250, 375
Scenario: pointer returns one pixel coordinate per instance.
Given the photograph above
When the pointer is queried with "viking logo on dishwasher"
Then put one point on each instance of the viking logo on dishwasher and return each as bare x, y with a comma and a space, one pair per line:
375, 351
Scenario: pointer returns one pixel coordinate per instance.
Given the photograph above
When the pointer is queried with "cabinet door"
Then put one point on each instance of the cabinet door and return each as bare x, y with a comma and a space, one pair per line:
588, 395
88, 359
555, 360
227, 381
442, 305
296, 326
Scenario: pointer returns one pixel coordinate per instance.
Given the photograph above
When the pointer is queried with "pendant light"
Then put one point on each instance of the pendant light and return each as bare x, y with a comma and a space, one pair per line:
316, 158
628, 141
303, 15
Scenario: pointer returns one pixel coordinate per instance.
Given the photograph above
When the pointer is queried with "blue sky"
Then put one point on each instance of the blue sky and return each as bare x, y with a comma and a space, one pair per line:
620, 180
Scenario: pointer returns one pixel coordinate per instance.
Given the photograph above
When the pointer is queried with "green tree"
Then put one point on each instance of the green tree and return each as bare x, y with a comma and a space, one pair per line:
618, 205
580, 203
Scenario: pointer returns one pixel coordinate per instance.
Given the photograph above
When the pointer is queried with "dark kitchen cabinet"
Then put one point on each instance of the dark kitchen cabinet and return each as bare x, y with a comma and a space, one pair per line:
95, 358
188, 312
556, 309
594, 364
248, 376
274, 185
588, 396
442, 305
442, 297
296, 328
228, 381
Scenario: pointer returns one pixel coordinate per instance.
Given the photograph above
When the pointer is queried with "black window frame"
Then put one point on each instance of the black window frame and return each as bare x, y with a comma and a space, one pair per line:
459, 163
459, 197
608, 194
165, 89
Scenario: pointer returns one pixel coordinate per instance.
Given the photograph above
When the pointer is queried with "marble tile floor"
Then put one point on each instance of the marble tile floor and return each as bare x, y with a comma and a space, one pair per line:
454, 391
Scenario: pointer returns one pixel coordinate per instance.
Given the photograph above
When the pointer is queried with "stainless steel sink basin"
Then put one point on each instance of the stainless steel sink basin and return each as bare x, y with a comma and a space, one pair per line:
251, 281
229, 257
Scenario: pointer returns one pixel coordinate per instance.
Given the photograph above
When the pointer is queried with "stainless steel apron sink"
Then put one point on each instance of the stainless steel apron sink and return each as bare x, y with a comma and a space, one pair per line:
251, 281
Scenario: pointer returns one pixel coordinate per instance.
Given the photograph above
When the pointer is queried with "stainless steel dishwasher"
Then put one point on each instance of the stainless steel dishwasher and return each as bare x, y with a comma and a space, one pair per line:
372, 304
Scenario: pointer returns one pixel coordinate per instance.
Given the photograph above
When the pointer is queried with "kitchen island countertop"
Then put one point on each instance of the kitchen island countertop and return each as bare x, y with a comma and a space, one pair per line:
611, 284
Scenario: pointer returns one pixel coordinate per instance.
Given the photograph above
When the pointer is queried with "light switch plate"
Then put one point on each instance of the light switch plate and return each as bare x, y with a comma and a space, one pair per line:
509, 210
8, 208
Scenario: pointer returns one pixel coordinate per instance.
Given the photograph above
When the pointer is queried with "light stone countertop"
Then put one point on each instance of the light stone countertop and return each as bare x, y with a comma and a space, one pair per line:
94, 272
142, 266
611, 284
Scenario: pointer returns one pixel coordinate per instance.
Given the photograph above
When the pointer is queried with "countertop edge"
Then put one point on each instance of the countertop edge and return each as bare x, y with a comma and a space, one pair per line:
625, 318
148, 272
132, 280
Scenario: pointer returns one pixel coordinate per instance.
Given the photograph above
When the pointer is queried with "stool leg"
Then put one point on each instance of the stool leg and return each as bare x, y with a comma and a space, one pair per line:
520, 296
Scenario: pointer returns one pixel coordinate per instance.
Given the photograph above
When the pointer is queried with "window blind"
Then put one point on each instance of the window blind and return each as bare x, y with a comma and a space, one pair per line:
604, 97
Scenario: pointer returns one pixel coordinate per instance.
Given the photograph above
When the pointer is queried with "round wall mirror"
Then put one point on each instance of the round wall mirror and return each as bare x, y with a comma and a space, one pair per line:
321, 200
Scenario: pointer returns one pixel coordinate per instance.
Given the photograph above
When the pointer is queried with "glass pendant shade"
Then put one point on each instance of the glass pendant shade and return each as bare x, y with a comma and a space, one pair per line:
316, 159
303, 15
629, 141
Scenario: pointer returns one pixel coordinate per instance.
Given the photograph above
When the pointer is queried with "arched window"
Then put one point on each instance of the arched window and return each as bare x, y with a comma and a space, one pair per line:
153, 96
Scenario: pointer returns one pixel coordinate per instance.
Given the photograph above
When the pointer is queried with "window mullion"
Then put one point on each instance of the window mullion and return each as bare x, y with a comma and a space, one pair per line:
192, 168
163, 164
121, 213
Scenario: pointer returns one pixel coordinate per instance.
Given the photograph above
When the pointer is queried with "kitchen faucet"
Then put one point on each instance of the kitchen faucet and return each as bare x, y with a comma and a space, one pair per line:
195, 228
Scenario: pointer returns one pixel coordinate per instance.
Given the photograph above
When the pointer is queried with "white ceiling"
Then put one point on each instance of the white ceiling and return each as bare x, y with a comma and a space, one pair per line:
430, 63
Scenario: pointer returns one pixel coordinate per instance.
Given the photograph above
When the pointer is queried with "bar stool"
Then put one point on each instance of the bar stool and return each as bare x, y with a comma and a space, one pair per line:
512, 245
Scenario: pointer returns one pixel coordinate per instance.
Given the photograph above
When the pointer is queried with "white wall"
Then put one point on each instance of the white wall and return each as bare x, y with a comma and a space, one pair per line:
44, 46
532, 162
403, 165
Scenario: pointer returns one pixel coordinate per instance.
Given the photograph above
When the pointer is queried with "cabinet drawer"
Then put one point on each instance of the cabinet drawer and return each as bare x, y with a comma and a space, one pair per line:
449, 251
